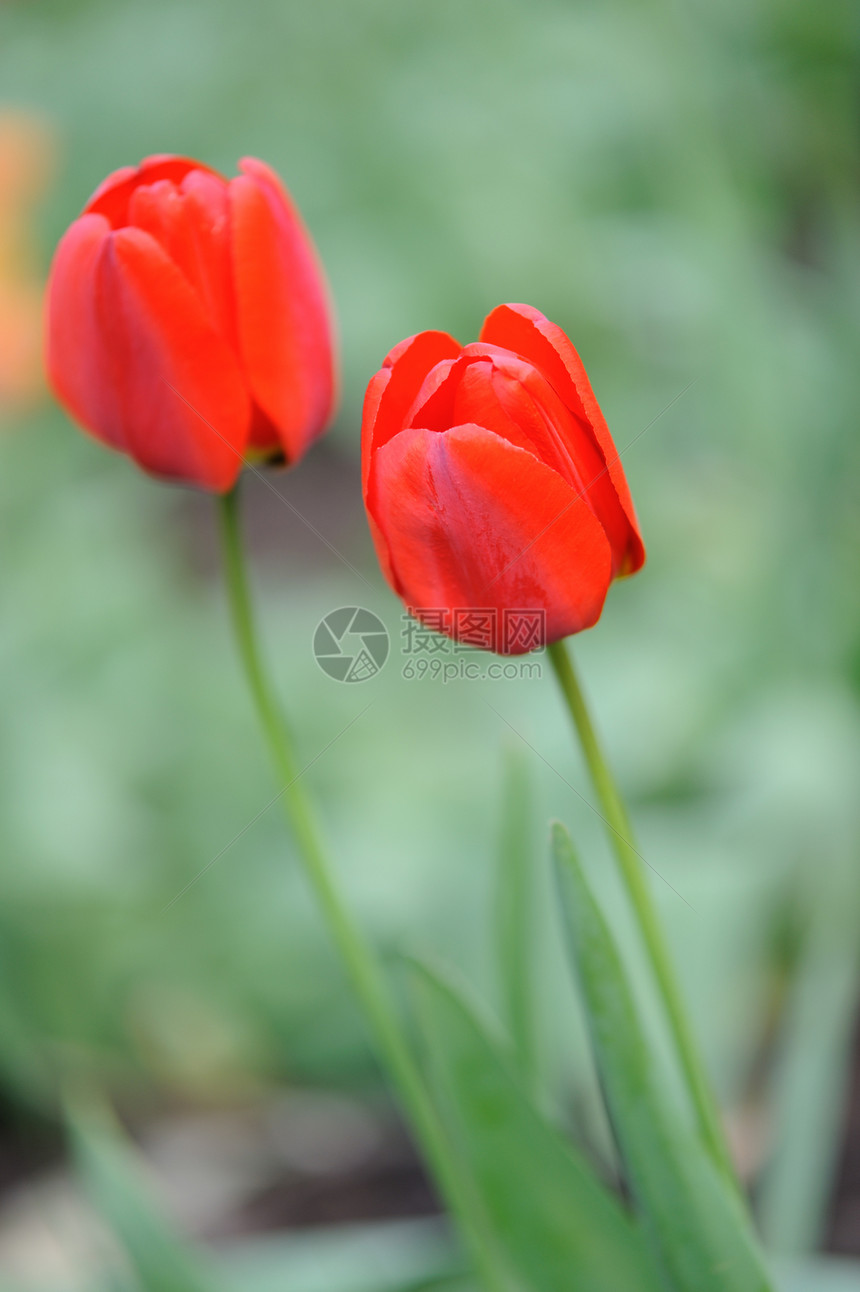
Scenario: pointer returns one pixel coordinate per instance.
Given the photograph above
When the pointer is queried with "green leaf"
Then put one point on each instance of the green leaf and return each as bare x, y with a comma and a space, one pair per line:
813, 1067
560, 1228
514, 923
378, 1256
695, 1221
161, 1260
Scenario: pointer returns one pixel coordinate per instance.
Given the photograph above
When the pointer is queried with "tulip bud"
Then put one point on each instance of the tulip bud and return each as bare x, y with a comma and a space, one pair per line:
492, 483
188, 321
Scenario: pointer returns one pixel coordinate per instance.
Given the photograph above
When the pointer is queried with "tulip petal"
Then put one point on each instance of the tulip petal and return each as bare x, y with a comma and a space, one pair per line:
505, 393
137, 361
76, 359
284, 324
471, 520
112, 196
393, 390
390, 393
529, 333
190, 222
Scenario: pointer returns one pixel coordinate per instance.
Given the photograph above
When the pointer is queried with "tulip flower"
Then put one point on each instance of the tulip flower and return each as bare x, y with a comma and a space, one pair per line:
492, 483
188, 321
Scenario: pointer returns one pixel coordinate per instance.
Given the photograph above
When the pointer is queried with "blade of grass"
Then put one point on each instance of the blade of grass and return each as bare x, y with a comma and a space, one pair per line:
374, 1256
813, 1067
693, 1216
161, 1260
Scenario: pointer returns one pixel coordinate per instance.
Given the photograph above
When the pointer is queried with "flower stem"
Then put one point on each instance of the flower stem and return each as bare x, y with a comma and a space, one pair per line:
358, 958
633, 874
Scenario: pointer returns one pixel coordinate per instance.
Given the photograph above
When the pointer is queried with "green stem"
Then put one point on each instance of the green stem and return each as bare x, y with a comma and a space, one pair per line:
359, 960
633, 874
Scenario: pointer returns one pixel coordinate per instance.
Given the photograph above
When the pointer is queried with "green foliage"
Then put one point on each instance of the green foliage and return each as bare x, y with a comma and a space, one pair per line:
559, 1227
401, 1257
161, 1261
815, 1053
693, 1216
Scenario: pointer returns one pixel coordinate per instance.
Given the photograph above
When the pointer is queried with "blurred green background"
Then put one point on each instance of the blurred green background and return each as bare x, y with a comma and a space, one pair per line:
677, 186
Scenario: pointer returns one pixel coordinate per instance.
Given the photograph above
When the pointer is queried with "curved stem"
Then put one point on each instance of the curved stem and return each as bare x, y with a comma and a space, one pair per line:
632, 872
359, 961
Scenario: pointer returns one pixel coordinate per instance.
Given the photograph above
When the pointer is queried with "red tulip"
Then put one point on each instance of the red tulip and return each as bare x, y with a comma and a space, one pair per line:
492, 484
188, 321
